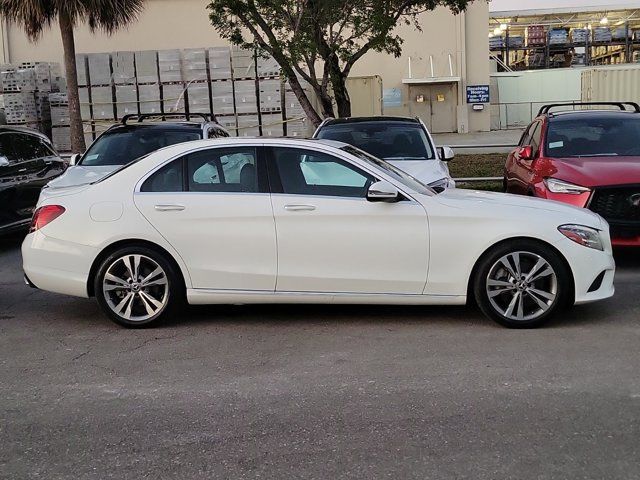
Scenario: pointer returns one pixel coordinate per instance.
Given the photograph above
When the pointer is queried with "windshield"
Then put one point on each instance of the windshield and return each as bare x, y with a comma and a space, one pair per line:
402, 177
390, 141
608, 136
121, 146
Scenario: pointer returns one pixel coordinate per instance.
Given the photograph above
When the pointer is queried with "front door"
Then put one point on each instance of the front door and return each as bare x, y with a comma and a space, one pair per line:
213, 207
332, 240
435, 105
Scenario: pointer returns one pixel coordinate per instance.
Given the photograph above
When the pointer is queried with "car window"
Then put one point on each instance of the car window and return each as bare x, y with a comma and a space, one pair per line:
305, 172
581, 136
21, 147
535, 138
122, 146
168, 179
526, 136
389, 141
223, 170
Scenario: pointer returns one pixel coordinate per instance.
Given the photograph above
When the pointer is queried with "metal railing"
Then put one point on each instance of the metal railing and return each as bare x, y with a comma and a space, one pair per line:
520, 114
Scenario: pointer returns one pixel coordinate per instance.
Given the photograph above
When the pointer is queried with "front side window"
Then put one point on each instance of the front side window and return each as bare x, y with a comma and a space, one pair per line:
21, 147
306, 172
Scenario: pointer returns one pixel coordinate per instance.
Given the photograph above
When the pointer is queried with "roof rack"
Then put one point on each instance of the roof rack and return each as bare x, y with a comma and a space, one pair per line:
146, 116
621, 105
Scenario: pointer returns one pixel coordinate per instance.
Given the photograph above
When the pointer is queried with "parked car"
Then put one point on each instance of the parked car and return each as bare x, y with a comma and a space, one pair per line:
27, 162
136, 136
587, 158
403, 142
294, 221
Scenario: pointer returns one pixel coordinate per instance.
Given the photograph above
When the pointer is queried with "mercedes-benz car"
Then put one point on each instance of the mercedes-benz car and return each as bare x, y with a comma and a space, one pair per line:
401, 141
261, 220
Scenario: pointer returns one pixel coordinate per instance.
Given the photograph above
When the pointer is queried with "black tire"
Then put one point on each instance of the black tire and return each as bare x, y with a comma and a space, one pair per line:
170, 296
528, 252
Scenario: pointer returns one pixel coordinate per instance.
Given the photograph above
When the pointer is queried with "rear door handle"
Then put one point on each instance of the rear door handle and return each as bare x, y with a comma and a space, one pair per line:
169, 208
299, 208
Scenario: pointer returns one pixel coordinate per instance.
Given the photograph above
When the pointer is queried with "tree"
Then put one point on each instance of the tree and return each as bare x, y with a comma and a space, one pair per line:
36, 15
319, 41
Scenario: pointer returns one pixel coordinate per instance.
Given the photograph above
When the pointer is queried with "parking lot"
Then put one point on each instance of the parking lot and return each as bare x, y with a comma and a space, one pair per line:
317, 391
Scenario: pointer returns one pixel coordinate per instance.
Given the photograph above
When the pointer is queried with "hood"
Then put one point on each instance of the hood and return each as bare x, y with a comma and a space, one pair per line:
519, 205
426, 171
81, 175
596, 171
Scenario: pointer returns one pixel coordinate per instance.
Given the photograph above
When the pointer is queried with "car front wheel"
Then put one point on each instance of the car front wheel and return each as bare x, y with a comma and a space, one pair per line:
136, 287
521, 284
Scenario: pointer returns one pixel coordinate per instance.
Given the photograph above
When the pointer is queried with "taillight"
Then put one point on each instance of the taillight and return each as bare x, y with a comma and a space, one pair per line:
45, 215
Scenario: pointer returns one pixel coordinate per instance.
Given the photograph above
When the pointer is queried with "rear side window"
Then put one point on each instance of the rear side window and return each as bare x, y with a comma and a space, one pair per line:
213, 170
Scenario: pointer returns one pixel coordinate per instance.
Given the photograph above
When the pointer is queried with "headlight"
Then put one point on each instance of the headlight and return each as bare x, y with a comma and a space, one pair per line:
440, 185
586, 236
559, 186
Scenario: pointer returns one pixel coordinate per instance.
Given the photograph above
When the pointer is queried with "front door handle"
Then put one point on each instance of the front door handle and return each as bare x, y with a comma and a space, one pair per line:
169, 208
299, 208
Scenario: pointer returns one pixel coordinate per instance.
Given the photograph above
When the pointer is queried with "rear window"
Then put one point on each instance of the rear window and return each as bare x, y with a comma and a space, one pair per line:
606, 136
21, 147
389, 141
122, 146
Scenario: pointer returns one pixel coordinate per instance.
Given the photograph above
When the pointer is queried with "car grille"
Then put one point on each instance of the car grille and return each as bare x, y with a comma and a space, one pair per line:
620, 206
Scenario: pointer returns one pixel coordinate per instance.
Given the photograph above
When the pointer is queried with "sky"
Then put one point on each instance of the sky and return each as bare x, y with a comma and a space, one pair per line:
503, 5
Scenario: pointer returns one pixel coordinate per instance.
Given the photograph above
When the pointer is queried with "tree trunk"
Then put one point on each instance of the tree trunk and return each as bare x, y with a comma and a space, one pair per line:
68, 44
339, 85
300, 94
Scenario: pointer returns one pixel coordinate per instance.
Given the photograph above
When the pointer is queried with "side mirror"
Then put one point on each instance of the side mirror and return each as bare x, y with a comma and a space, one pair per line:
446, 154
526, 153
74, 159
4, 161
383, 192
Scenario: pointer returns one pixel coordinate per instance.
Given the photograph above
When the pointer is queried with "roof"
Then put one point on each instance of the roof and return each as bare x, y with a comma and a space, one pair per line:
18, 128
338, 121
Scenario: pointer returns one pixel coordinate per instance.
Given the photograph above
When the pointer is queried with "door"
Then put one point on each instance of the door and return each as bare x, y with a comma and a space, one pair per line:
332, 240
435, 105
213, 207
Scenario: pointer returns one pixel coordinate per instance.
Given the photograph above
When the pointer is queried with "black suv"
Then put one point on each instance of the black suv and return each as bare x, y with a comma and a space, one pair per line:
27, 163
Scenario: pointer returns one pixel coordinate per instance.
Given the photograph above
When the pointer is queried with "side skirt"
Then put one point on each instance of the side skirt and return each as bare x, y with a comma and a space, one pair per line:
239, 297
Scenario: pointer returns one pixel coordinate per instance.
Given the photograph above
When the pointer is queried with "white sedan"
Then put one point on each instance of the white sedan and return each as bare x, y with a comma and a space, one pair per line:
238, 221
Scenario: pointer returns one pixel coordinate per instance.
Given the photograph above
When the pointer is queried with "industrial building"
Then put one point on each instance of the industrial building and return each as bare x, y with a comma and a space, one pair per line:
442, 75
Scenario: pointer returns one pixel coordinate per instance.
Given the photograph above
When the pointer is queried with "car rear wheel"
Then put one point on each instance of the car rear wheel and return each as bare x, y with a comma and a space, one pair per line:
136, 287
521, 284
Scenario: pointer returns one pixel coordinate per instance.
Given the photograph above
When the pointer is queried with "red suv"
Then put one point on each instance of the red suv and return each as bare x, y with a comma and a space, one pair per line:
588, 158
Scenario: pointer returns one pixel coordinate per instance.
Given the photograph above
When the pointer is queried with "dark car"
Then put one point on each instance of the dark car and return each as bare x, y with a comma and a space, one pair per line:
27, 163
135, 137
587, 158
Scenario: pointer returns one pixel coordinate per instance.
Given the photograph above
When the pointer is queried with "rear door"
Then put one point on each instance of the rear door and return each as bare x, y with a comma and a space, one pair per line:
213, 206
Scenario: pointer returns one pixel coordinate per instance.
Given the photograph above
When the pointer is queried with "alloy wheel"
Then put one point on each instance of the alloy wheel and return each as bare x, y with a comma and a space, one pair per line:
136, 288
522, 286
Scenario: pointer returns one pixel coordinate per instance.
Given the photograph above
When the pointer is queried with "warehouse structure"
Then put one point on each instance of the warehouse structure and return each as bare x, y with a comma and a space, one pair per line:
442, 75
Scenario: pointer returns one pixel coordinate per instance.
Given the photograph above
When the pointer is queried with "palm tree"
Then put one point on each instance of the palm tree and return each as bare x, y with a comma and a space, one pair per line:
36, 15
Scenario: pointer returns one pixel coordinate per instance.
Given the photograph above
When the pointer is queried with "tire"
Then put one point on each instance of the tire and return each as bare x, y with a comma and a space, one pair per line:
143, 301
542, 287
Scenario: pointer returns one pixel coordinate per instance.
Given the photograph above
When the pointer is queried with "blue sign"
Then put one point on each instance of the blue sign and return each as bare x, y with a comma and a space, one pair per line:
478, 94
392, 97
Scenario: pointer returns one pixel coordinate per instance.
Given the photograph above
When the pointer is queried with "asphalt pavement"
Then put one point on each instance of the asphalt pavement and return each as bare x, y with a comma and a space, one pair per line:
317, 392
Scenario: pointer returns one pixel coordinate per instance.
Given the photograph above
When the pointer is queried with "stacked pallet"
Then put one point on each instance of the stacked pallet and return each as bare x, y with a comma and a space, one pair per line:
601, 35
535, 36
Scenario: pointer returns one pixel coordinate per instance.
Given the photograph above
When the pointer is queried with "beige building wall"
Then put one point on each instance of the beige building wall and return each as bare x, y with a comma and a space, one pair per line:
171, 24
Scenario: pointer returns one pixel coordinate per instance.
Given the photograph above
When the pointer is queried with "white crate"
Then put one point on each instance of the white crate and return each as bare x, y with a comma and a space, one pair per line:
147, 66
173, 98
20, 108
99, 68
82, 70
18, 80
126, 100
149, 98
272, 125
124, 70
245, 95
170, 66
85, 104
228, 122
199, 98
222, 98
194, 64
270, 95
102, 103
61, 138
267, 67
219, 63
243, 63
